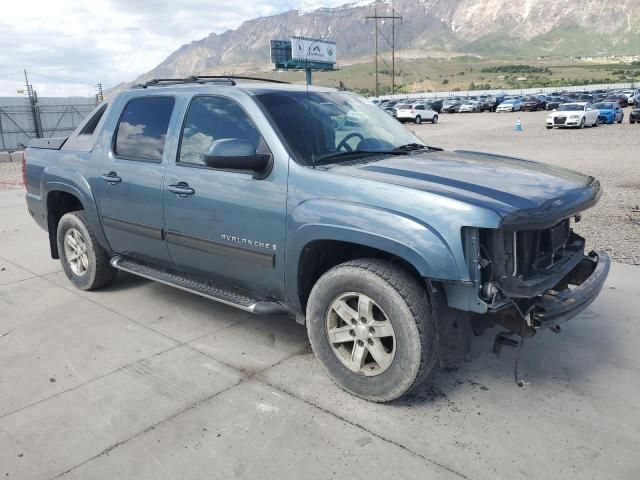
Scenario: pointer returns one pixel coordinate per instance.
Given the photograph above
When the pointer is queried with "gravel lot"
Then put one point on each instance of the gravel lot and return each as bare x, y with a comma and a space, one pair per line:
10, 176
609, 153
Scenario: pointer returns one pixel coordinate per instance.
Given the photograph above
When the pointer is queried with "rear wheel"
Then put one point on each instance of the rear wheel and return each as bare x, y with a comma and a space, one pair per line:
371, 326
84, 261
597, 122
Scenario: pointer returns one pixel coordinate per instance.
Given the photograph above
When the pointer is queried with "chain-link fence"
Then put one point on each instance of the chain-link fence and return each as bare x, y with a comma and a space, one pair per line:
21, 119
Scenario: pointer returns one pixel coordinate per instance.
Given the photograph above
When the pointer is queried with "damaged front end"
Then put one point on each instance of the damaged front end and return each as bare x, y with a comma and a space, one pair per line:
525, 280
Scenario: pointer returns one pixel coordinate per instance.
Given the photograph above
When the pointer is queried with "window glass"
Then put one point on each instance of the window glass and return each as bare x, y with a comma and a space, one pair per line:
318, 125
142, 129
213, 118
91, 125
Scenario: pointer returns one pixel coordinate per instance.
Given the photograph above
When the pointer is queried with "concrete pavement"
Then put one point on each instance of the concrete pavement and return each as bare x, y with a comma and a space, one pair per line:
142, 381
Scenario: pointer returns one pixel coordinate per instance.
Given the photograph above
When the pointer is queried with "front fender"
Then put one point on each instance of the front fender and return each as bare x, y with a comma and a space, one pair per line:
398, 234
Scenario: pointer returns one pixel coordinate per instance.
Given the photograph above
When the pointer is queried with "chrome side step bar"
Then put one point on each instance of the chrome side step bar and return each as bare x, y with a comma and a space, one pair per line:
233, 298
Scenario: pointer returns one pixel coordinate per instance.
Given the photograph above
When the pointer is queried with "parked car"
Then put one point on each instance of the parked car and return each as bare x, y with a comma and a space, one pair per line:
415, 113
533, 104
490, 103
512, 105
610, 112
585, 97
390, 110
435, 105
633, 96
470, 106
634, 116
621, 98
555, 101
451, 105
250, 194
577, 114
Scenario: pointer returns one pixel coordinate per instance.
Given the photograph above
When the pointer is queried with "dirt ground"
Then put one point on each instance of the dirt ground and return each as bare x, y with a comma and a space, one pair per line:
610, 153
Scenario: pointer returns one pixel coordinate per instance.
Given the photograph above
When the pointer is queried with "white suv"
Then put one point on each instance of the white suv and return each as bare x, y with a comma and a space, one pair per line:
416, 113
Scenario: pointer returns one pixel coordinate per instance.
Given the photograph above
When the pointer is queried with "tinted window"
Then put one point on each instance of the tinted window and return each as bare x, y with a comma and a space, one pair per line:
142, 129
213, 118
91, 125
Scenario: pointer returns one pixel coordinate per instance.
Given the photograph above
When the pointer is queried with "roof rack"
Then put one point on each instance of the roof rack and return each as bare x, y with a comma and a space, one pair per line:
202, 79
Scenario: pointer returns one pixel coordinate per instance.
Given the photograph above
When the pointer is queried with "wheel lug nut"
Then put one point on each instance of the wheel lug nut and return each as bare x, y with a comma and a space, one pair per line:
352, 333
360, 342
372, 330
370, 341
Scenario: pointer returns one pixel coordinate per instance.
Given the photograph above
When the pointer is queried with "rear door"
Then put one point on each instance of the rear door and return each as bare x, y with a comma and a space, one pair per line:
130, 180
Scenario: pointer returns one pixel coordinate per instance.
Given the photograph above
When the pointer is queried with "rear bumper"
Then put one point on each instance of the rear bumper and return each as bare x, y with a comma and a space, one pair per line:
557, 307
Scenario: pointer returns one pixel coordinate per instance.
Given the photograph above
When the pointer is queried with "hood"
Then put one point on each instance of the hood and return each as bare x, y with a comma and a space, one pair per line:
521, 191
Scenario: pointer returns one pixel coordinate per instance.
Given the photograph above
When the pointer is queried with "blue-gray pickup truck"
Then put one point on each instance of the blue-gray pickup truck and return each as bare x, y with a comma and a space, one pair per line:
310, 202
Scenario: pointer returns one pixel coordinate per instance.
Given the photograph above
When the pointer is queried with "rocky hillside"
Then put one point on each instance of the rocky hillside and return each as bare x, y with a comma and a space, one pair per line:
489, 27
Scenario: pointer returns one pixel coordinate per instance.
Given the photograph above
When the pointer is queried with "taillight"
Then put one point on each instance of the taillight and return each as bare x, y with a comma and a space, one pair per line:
24, 169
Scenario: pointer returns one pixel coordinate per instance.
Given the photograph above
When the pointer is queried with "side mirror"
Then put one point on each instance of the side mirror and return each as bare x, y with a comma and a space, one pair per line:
555, 109
236, 154
589, 109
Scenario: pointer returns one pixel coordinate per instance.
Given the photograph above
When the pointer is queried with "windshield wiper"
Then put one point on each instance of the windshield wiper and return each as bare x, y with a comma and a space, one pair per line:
354, 153
410, 147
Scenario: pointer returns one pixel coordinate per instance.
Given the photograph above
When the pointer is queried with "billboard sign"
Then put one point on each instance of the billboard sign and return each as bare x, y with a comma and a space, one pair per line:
312, 50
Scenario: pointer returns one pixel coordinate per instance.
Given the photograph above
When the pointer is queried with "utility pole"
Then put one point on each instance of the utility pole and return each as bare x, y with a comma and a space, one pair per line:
100, 94
392, 43
33, 102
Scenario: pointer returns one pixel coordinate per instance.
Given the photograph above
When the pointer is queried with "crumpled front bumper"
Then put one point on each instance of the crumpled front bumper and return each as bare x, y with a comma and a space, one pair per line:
588, 277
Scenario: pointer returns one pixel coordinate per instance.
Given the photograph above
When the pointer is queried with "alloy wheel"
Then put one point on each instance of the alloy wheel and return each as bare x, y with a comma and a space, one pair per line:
75, 251
360, 334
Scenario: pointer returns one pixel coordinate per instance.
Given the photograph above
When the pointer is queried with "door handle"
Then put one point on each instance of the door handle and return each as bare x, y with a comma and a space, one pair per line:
182, 189
111, 177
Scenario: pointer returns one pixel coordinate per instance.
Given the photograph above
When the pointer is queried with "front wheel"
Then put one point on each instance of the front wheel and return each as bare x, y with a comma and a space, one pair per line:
434, 119
84, 261
371, 326
418, 120
582, 123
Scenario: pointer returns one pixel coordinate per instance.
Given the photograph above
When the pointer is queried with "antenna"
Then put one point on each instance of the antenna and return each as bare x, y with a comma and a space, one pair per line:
392, 43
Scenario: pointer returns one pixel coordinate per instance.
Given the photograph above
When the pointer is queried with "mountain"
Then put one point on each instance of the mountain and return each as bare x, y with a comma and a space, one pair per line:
484, 27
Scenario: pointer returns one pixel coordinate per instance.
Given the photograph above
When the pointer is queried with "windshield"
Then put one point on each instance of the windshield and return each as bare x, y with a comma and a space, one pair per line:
604, 106
568, 107
320, 125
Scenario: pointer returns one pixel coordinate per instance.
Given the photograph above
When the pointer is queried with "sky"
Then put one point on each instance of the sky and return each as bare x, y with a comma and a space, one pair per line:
69, 46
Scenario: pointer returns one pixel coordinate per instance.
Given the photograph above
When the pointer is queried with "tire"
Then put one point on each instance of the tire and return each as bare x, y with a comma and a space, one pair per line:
549, 128
434, 120
418, 119
632, 121
399, 299
582, 123
621, 118
92, 269
597, 122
